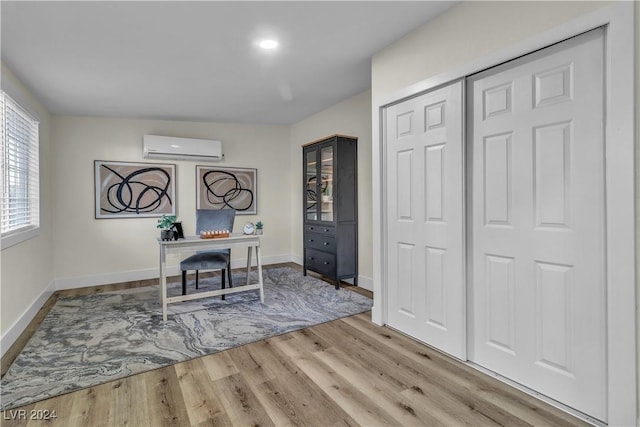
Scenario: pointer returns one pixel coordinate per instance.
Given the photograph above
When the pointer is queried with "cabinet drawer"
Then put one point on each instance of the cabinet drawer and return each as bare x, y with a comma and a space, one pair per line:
320, 241
320, 262
322, 229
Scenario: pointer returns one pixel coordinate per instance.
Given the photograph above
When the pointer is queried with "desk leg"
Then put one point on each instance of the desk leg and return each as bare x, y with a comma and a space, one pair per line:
260, 273
248, 263
163, 283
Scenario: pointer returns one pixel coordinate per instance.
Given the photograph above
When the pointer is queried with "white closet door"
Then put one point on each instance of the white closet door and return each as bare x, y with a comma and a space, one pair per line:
538, 265
426, 297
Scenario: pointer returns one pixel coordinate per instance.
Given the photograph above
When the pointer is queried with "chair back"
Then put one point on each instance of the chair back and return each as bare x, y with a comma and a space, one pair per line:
221, 219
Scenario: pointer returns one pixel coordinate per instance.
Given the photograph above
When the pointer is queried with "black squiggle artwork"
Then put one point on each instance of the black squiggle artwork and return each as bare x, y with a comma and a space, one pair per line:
312, 196
144, 190
225, 190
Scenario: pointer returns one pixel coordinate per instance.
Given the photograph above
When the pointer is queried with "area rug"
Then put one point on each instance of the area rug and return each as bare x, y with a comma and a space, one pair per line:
89, 340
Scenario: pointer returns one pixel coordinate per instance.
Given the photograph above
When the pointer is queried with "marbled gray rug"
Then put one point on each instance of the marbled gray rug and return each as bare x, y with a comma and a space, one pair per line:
89, 340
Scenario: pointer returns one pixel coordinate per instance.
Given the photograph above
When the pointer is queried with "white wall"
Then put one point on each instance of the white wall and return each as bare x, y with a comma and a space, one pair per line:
26, 269
464, 33
351, 117
94, 251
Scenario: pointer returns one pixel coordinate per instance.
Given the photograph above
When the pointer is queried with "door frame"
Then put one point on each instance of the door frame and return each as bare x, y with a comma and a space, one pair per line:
620, 182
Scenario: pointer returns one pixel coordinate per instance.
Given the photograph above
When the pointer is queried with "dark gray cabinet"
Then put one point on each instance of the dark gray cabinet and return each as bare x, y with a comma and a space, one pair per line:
330, 207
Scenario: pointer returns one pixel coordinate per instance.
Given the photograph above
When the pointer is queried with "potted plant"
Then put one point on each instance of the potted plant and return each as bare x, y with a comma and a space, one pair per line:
165, 223
259, 226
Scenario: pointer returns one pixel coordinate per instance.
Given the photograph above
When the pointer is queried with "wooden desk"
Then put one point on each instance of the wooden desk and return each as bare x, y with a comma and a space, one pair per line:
195, 243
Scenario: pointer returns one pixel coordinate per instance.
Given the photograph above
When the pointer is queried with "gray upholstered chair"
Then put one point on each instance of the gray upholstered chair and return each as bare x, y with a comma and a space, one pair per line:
219, 259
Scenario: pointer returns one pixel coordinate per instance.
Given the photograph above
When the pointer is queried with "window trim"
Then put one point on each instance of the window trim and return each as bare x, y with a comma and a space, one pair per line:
18, 236
14, 237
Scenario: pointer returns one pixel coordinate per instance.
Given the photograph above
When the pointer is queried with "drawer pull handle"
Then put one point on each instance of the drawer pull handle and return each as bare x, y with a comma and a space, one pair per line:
326, 230
311, 258
310, 228
326, 263
325, 243
310, 240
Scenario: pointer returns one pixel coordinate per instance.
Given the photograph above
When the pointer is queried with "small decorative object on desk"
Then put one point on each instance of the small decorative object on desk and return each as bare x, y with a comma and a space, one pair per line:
177, 229
214, 234
249, 228
165, 223
259, 226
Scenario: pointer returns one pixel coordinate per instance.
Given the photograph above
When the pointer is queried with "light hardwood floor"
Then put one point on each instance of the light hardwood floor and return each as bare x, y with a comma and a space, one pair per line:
344, 372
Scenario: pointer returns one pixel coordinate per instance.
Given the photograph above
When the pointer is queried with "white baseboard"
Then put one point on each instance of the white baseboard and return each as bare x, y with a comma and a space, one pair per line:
147, 273
109, 278
14, 331
365, 282
274, 259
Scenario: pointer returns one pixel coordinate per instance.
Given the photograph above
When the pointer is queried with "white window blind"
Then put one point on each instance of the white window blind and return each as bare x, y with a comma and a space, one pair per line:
20, 169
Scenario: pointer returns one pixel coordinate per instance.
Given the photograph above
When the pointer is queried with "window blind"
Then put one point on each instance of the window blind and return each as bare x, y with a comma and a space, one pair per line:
20, 168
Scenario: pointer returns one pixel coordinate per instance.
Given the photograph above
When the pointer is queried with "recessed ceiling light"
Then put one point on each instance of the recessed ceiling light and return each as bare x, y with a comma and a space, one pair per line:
268, 44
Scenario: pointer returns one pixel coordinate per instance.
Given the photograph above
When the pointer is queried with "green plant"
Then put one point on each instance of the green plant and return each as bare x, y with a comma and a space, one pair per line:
165, 222
259, 225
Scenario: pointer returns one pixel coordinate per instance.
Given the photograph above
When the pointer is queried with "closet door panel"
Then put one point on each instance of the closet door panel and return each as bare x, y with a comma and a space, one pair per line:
426, 295
538, 262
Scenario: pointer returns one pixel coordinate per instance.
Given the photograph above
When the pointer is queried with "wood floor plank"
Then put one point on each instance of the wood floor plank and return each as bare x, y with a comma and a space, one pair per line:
436, 397
489, 388
306, 341
87, 410
344, 372
219, 365
260, 362
62, 405
242, 406
165, 404
291, 397
352, 401
202, 404
129, 405
385, 394
417, 374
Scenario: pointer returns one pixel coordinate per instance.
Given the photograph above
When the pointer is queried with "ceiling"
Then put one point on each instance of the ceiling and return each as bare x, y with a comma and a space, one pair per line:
180, 60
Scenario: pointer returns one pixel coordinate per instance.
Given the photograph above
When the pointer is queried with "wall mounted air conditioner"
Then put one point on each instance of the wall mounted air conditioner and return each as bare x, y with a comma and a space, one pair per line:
168, 147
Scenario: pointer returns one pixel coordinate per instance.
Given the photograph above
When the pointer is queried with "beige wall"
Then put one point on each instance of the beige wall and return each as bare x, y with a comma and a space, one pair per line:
26, 269
351, 117
462, 34
89, 250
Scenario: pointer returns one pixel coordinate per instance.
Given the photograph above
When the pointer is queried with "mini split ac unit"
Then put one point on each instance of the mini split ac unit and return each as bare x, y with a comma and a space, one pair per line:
168, 147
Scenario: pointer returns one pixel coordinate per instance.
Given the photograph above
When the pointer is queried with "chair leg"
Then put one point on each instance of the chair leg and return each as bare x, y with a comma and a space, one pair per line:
229, 273
184, 282
222, 274
196, 279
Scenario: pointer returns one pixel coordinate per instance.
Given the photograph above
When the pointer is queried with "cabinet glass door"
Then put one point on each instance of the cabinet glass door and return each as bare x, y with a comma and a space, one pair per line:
311, 198
326, 183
